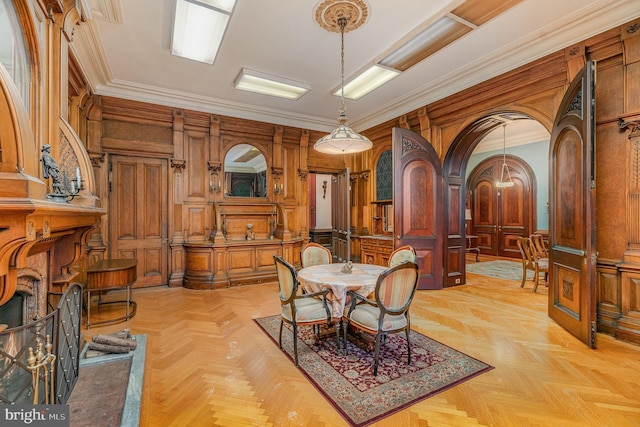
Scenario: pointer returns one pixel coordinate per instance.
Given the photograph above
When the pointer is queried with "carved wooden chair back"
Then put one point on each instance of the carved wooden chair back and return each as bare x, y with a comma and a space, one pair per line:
539, 246
530, 261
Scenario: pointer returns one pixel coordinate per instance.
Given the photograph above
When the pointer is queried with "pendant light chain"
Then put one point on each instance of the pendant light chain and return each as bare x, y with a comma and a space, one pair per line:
504, 143
342, 22
343, 139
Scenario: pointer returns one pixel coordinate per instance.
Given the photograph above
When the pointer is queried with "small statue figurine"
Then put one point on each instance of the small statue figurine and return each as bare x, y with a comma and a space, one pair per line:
50, 169
347, 268
250, 233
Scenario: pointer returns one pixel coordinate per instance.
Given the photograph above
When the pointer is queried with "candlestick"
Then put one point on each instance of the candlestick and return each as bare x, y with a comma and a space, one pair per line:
78, 178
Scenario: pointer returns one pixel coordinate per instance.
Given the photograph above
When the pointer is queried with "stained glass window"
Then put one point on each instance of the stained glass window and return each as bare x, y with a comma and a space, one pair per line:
384, 177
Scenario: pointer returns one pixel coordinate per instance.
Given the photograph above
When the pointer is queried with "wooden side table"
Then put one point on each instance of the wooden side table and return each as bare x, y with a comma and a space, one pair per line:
108, 275
472, 245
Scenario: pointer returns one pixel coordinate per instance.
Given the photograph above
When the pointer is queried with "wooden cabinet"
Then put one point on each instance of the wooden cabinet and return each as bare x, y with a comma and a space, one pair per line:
321, 237
233, 256
376, 249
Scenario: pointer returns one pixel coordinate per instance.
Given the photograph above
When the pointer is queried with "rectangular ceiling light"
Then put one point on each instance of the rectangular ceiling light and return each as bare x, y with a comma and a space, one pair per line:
442, 32
198, 28
372, 78
267, 84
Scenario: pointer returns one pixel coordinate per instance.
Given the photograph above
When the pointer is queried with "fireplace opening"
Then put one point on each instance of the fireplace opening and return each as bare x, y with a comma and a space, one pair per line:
11, 312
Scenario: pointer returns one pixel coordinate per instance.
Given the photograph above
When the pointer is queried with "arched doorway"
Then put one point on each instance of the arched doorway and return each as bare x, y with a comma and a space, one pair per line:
500, 215
455, 186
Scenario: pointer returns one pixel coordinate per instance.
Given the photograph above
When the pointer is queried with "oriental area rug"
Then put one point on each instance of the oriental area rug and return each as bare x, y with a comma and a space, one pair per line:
348, 383
500, 269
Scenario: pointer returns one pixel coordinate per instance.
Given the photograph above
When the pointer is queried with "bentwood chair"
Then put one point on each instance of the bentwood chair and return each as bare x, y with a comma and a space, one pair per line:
389, 313
402, 254
531, 262
314, 254
299, 310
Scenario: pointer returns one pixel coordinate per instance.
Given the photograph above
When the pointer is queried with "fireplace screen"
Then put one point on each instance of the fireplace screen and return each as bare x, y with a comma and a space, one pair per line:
62, 325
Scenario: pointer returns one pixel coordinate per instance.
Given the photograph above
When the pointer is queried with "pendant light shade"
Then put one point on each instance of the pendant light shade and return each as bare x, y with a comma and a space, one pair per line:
343, 139
508, 182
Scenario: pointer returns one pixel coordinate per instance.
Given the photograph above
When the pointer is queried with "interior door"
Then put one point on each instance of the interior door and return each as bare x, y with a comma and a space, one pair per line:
572, 272
341, 217
417, 201
138, 216
501, 215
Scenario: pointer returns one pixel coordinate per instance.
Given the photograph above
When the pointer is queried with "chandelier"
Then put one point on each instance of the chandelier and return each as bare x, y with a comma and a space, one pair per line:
343, 139
508, 182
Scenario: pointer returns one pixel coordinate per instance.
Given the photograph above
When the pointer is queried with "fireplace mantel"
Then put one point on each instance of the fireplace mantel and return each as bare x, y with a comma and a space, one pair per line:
27, 224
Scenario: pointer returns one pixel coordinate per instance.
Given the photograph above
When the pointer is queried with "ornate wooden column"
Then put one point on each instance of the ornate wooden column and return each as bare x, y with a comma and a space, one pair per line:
629, 323
303, 198
176, 184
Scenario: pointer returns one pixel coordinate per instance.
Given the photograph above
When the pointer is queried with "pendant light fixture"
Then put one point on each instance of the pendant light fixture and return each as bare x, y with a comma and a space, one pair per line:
508, 182
343, 139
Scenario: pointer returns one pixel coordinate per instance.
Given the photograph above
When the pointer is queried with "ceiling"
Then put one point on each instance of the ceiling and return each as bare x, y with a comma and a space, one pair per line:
123, 49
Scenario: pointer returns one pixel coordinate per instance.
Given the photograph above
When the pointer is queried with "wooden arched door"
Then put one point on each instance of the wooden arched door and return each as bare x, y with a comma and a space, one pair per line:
500, 215
417, 203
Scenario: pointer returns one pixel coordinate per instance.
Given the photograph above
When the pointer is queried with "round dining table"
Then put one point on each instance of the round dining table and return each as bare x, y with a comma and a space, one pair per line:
362, 279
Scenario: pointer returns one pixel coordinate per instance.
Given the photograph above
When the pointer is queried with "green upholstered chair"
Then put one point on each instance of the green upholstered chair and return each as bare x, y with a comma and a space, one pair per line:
299, 310
389, 313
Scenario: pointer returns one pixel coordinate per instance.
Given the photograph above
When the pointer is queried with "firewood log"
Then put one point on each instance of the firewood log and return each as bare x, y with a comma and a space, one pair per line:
115, 341
107, 348
123, 333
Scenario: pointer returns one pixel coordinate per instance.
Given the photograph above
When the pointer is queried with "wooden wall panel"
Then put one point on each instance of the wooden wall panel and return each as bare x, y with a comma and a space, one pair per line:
197, 175
197, 222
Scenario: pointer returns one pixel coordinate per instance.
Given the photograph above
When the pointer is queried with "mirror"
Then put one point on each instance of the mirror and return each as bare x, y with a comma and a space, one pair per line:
245, 172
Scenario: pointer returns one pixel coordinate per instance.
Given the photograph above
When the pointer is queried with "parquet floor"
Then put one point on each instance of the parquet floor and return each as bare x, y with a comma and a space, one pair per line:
208, 364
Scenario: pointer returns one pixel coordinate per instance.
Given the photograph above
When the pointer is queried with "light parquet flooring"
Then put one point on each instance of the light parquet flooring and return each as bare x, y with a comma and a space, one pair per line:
209, 364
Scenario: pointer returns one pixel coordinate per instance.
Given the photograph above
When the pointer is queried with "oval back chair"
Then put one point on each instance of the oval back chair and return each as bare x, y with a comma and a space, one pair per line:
389, 313
402, 254
299, 310
314, 254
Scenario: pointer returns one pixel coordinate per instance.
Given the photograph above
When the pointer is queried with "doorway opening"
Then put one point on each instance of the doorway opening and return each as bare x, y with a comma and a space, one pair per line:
479, 141
499, 215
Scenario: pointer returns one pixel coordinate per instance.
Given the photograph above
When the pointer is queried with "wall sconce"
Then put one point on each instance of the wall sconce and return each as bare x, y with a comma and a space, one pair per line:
76, 185
324, 189
278, 190
212, 187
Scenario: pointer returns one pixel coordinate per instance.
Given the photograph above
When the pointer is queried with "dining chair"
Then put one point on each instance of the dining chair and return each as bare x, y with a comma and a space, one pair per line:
389, 313
539, 245
531, 262
541, 251
314, 254
402, 254
300, 309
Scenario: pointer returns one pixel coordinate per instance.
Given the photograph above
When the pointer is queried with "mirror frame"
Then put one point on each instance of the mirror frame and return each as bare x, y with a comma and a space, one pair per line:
228, 175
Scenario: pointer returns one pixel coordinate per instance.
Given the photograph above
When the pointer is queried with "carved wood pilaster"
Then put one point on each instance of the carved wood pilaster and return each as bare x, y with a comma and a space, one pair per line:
214, 167
178, 165
631, 124
96, 159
